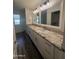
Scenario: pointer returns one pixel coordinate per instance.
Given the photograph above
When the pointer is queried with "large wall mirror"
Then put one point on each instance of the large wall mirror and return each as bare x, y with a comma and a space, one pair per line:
37, 19
50, 16
55, 17
44, 17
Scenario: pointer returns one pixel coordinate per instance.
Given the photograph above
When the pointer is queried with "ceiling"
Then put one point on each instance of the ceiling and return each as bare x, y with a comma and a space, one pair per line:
32, 4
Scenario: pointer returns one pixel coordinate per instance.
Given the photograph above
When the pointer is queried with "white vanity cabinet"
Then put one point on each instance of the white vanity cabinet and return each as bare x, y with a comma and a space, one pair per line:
30, 32
47, 49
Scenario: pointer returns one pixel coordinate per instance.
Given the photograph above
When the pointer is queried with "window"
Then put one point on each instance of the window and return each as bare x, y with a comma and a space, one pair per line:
16, 18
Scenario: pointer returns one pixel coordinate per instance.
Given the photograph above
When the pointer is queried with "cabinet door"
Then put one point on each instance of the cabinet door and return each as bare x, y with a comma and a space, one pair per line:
35, 41
41, 42
49, 50
30, 32
33, 36
46, 48
59, 54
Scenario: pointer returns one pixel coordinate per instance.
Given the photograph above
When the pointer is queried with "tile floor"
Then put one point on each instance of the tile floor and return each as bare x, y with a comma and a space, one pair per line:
25, 47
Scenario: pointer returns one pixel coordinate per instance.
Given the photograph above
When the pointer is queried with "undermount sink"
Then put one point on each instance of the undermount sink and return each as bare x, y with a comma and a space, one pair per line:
43, 31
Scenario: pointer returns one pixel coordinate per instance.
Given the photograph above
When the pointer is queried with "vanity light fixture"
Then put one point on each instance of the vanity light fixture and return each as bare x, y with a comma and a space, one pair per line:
44, 6
46, 2
36, 10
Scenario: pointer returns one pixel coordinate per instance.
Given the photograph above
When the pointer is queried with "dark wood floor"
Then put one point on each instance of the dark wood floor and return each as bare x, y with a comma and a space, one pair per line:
26, 49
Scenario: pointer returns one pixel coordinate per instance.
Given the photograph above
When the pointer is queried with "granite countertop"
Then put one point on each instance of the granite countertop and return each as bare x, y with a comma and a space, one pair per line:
52, 37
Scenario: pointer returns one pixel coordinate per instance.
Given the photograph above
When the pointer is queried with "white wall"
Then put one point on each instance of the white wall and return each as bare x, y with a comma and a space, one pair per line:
62, 16
29, 16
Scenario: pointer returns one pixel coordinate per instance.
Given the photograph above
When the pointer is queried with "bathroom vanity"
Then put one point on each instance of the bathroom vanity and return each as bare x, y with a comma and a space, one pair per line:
48, 43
